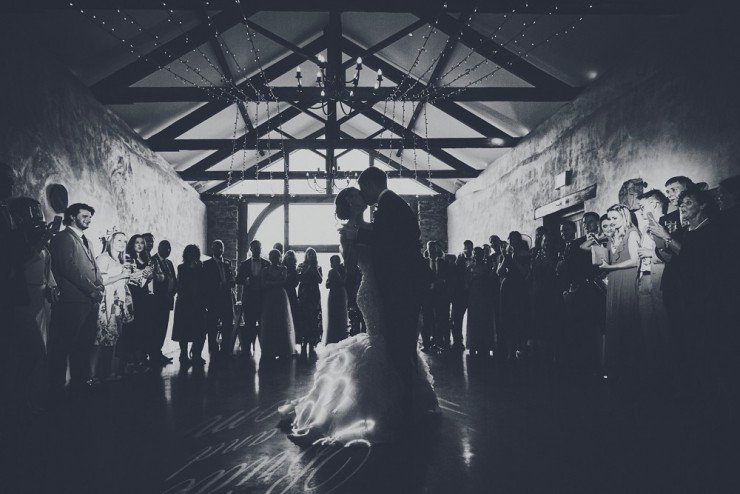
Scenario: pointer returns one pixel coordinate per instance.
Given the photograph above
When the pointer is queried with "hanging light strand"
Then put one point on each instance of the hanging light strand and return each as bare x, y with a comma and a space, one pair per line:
255, 51
211, 89
233, 149
526, 26
563, 31
435, 60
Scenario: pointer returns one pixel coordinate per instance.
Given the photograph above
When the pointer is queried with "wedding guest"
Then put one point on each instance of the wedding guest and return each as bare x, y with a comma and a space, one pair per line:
673, 188
659, 357
545, 331
249, 278
115, 308
291, 283
666, 234
218, 280
728, 198
137, 333
513, 271
436, 302
583, 296
277, 334
165, 289
28, 327
495, 243
190, 312
539, 234
494, 260
729, 218
481, 318
461, 292
336, 329
701, 260
74, 316
487, 251
623, 337
9, 234
310, 278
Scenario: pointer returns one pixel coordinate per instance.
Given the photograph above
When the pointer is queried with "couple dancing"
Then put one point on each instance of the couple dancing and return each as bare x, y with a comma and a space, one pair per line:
372, 386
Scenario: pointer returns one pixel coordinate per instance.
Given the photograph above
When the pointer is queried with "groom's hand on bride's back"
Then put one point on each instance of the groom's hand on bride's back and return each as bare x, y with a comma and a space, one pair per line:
348, 233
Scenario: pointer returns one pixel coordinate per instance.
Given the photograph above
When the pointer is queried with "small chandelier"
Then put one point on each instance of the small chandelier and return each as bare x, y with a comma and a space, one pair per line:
338, 94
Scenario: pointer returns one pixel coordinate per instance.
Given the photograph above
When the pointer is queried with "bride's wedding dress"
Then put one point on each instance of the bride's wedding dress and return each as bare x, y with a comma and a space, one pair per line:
357, 392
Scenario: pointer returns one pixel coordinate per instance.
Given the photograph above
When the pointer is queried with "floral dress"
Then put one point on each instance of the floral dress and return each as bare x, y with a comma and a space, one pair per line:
117, 307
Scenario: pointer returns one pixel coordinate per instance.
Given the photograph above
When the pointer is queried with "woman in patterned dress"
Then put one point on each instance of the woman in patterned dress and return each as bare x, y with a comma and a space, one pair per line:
115, 308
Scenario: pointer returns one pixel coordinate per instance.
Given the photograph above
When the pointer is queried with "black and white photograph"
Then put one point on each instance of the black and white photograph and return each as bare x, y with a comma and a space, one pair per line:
369, 246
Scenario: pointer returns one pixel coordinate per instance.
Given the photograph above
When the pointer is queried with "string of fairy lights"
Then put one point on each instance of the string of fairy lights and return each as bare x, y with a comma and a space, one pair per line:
410, 88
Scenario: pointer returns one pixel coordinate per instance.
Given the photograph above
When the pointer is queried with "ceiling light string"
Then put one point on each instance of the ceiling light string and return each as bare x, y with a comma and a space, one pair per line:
256, 149
233, 150
470, 53
426, 142
240, 71
127, 17
565, 30
526, 26
272, 96
436, 59
214, 91
422, 49
224, 77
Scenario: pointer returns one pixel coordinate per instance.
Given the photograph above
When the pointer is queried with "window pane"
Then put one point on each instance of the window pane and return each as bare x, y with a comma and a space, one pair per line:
313, 224
271, 230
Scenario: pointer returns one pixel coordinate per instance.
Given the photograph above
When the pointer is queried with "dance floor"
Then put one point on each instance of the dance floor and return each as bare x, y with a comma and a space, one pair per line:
501, 430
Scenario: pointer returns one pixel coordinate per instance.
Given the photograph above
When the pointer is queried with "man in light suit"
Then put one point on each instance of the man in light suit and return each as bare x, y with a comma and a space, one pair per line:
218, 280
74, 317
250, 279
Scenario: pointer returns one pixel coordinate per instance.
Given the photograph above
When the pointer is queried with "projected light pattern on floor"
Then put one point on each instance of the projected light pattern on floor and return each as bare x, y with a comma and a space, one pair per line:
321, 410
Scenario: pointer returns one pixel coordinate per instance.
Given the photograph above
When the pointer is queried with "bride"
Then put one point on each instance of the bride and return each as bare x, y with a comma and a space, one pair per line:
357, 393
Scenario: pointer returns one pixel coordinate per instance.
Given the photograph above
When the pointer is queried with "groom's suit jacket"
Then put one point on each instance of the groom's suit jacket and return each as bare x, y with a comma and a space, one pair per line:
395, 245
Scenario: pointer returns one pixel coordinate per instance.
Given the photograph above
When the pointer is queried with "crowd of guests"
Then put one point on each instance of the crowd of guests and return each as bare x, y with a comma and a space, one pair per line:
93, 313
641, 295
644, 296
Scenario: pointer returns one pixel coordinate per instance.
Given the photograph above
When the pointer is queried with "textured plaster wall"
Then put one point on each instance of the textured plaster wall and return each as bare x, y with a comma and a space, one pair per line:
52, 130
671, 109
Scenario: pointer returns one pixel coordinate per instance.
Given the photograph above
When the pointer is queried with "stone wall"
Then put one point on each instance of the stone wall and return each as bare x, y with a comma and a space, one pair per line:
222, 214
53, 131
671, 109
432, 214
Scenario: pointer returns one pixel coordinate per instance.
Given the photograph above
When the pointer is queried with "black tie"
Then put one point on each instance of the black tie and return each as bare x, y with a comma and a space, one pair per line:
84, 241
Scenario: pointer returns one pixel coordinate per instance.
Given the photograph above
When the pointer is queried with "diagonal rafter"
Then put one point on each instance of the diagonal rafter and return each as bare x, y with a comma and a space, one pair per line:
204, 112
493, 51
165, 54
401, 131
453, 109
307, 55
262, 129
385, 43
442, 63
224, 65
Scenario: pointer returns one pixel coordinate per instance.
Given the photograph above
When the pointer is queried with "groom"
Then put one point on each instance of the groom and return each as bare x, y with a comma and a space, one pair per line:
398, 265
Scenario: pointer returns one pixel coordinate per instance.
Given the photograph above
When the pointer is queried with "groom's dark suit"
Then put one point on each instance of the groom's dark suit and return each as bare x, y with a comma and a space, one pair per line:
399, 266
